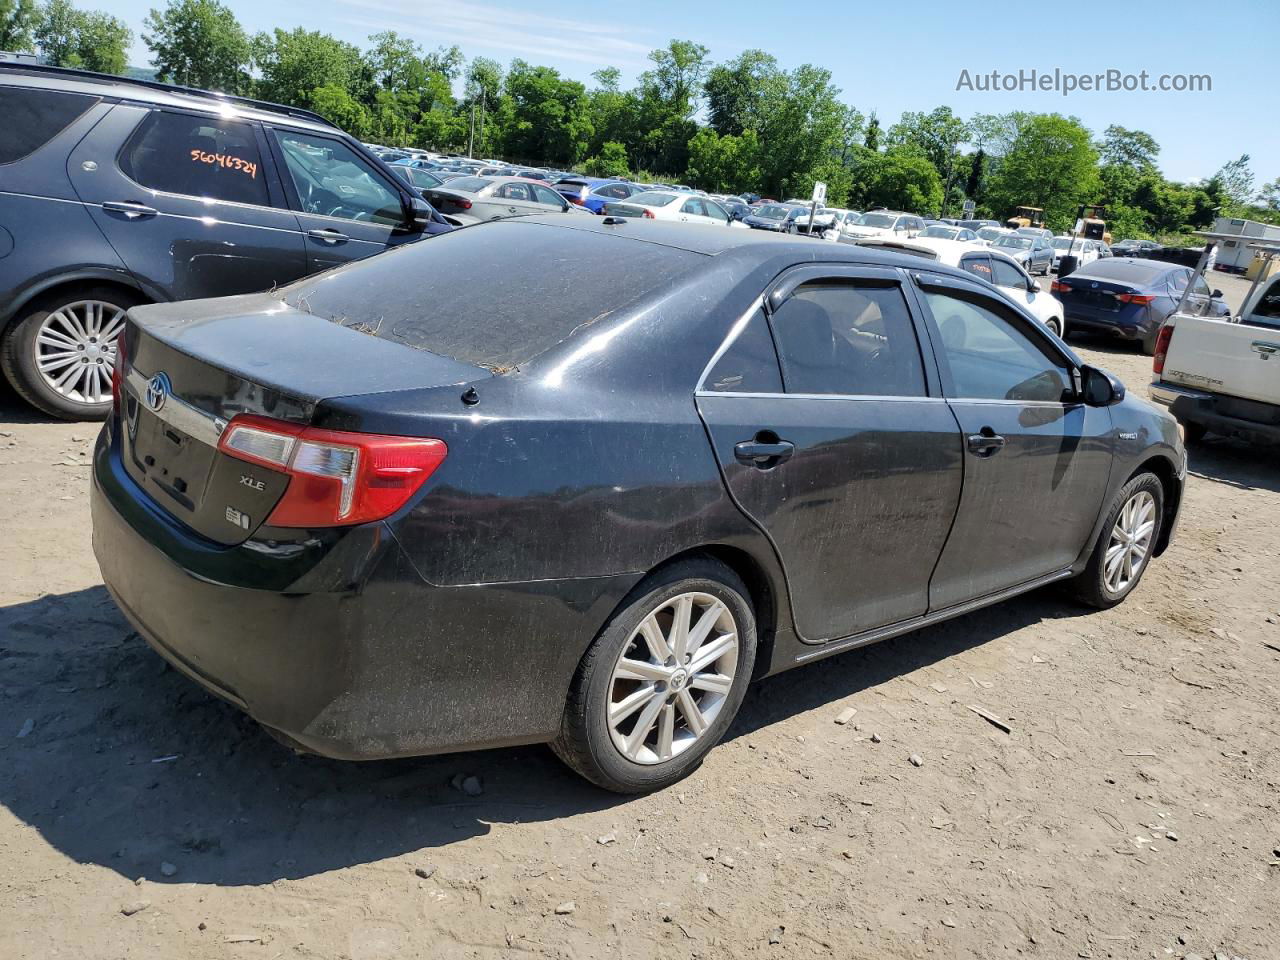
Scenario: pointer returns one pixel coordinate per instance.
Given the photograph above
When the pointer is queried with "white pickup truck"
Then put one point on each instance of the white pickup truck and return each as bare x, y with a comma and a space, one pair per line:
1222, 374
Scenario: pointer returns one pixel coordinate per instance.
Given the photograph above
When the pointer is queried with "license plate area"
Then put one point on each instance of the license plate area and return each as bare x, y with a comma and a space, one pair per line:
169, 464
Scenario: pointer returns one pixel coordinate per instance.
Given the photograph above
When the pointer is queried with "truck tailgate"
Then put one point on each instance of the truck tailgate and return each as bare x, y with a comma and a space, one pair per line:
1222, 357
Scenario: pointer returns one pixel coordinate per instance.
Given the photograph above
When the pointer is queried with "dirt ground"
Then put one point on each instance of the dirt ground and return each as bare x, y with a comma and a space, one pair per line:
1132, 811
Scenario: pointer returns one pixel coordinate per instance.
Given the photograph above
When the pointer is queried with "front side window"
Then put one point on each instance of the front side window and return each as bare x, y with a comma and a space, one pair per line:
34, 117
196, 156
838, 337
547, 195
715, 210
332, 181
990, 358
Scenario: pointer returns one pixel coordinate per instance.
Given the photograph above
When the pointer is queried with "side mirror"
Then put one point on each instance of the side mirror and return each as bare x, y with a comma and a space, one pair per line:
1033, 286
1217, 294
1100, 388
418, 213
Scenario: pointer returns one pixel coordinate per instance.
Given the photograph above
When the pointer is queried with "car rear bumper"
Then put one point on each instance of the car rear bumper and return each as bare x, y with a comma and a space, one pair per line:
1219, 413
1092, 323
358, 657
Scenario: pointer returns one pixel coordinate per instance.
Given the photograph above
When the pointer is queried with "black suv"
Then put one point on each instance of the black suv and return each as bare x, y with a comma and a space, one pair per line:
115, 192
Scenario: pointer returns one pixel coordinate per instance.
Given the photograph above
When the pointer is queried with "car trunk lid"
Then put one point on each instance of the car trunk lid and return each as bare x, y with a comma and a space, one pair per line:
191, 368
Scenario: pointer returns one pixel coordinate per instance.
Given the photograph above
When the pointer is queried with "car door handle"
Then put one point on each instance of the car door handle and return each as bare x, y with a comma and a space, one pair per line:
130, 208
764, 451
328, 235
985, 443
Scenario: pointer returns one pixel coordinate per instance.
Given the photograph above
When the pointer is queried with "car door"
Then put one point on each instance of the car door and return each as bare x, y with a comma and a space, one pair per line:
190, 202
845, 453
693, 211
513, 200
547, 200
1037, 459
348, 209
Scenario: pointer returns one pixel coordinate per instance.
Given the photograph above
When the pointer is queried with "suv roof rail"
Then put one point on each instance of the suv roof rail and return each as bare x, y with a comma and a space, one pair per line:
75, 73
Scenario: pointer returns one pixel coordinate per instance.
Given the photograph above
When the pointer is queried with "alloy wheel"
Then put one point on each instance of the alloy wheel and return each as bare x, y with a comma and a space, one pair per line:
672, 678
1130, 542
75, 349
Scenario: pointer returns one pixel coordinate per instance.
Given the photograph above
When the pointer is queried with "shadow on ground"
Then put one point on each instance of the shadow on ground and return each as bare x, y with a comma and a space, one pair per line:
127, 764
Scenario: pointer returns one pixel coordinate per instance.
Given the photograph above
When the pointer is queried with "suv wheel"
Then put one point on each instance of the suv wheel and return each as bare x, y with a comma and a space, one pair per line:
60, 355
663, 680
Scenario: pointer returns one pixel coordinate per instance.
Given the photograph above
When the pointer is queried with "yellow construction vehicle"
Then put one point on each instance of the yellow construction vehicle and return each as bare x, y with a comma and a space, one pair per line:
1026, 217
1092, 225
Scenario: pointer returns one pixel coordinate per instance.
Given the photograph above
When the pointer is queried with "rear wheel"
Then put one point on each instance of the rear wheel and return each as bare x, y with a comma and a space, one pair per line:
1128, 537
60, 354
663, 680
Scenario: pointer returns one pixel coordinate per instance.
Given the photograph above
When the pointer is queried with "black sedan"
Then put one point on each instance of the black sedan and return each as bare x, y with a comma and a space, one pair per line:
1130, 299
416, 504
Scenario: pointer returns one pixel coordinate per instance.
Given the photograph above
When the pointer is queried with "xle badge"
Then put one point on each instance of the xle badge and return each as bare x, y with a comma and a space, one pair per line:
251, 483
241, 520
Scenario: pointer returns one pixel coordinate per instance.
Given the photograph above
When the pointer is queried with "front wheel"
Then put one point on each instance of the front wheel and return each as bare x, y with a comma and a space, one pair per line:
662, 682
1054, 324
1129, 535
60, 355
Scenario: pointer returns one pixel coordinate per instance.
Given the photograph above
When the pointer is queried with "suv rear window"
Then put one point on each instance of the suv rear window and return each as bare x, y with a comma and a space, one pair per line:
34, 117
476, 295
197, 157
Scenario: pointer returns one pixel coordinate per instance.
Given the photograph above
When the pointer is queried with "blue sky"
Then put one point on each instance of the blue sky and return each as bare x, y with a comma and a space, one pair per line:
886, 57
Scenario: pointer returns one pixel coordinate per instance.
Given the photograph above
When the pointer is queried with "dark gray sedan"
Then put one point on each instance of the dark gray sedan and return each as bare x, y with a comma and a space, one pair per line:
386, 519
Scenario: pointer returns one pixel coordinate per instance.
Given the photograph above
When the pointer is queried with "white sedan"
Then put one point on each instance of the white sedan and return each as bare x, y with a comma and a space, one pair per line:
1085, 251
672, 205
884, 223
991, 266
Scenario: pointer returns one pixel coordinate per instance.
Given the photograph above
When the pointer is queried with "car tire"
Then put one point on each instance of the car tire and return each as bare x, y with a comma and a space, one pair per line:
1054, 324
1103, 583
622, 684
30, 354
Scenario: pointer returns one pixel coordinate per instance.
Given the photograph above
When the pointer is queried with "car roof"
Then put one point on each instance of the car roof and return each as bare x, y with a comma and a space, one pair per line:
1127, 268
41, 77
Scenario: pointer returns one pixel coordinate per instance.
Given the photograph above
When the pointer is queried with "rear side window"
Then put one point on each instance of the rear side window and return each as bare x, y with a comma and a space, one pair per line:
750, 365
197, 157
838, 337
34, 117
979, 266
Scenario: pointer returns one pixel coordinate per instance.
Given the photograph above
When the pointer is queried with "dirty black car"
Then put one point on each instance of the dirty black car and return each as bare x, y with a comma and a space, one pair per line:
387, 520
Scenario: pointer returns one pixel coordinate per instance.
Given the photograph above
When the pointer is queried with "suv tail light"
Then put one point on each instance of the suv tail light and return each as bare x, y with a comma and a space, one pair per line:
1138, 298
1162, 348
336, 477
117, 372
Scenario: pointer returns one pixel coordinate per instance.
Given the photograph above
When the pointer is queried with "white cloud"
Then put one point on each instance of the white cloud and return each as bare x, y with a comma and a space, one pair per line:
528, 34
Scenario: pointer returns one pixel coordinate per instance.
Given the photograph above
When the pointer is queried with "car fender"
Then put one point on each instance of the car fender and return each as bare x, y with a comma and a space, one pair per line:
38, 286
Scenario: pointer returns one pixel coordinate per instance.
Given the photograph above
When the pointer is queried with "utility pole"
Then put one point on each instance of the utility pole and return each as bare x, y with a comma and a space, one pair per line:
471, 137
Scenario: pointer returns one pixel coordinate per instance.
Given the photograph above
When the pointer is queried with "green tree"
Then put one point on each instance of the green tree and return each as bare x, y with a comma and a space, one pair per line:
1269, 195
1236, 180
611, 161
872, 139
90, 39
544, 116
18, 19
1128, 148
724, 163
937, 134
901, 178
199, 43
294, 63
735, 91
1051, 164
335, 103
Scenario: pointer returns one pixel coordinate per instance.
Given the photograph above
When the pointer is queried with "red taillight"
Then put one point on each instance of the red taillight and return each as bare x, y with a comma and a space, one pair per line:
1059, 287
1139, 298
335, 477
1162, 348
462, 202
648, 213
117, 372
577, 200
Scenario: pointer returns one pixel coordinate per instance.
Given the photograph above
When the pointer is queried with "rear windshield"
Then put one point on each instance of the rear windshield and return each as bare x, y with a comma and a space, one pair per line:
475, 295
469, 184
1119, 268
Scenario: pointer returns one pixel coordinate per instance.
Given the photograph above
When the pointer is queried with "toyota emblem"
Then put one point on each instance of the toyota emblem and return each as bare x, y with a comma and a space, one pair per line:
158, 390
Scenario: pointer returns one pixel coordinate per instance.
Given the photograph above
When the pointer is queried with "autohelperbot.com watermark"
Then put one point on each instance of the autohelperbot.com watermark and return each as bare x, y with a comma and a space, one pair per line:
1067, 82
